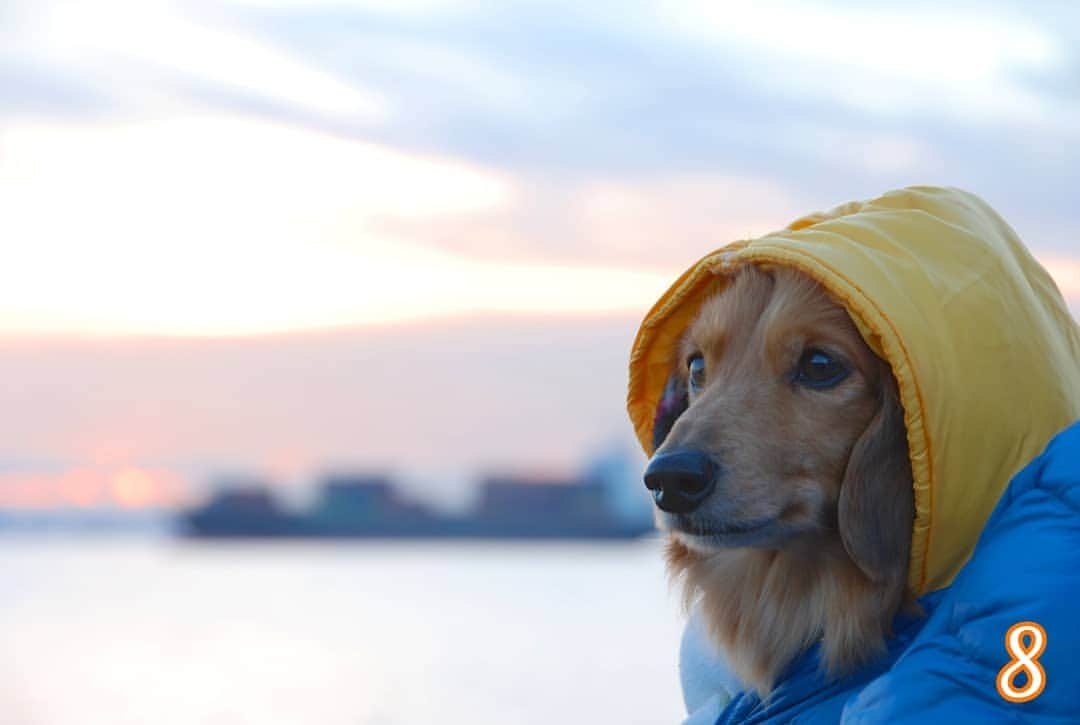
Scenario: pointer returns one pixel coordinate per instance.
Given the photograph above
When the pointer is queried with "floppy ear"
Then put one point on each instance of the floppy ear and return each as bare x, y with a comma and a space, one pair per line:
672, 404
876, 505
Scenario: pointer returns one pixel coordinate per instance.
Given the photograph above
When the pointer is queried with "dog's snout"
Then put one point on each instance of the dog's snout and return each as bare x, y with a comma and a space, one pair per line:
680, 480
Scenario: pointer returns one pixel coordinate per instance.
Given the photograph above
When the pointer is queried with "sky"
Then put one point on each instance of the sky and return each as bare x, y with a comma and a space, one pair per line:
280, 236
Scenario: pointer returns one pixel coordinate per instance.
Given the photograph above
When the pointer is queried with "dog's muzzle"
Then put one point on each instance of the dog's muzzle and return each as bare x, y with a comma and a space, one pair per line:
680, 480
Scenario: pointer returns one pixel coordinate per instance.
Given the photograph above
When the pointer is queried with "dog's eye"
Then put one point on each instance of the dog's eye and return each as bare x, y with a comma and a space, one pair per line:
696, 365
818, 369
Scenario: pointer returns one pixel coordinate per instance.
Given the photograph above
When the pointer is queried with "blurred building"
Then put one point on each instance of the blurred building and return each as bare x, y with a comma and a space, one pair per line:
241, 509
618, 470
508, 498
530, 507
368, 505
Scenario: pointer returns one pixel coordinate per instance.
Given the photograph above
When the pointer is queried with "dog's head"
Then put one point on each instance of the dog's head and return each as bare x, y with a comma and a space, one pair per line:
778, 426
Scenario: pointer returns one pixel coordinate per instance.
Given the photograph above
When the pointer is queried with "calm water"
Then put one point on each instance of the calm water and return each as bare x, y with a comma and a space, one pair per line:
158, 631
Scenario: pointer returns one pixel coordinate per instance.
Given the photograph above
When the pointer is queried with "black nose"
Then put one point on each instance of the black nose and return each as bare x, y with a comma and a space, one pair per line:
680, 481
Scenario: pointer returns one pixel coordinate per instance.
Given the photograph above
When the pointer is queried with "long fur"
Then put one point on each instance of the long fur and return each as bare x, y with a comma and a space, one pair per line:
841, 579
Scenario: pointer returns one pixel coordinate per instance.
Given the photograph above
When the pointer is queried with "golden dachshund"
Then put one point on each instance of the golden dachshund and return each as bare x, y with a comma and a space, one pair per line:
783, 479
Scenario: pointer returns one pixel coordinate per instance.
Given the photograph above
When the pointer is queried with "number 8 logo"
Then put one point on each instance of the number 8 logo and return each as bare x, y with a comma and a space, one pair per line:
1024, 658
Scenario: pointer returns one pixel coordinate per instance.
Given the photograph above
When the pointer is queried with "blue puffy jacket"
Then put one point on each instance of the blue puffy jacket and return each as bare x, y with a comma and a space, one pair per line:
942, 668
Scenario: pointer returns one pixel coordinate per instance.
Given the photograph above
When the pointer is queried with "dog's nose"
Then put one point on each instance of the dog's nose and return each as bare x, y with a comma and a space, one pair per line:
681, 480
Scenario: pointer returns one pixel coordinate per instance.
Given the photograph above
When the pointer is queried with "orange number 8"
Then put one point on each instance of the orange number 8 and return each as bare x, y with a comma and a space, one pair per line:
1024, 658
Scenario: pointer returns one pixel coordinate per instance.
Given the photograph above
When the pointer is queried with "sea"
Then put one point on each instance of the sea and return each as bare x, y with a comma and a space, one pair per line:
153, 629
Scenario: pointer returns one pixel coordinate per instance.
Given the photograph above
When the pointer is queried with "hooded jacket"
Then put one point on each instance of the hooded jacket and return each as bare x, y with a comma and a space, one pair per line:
987, 361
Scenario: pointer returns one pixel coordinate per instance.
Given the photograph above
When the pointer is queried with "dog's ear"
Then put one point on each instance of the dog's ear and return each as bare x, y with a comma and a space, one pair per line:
876, 505
672, 404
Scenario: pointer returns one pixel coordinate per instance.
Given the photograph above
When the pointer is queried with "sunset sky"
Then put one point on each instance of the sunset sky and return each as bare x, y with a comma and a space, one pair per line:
278, 237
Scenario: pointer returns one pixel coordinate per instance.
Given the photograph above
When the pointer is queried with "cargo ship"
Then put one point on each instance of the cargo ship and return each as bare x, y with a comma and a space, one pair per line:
366, 506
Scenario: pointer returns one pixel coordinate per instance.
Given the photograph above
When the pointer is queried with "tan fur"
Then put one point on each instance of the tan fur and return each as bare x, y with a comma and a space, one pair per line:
827, 470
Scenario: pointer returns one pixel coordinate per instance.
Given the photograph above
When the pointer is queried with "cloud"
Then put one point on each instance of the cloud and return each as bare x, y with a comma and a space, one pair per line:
646, 220
564, 96
125, 49
233, 226
820, 96
919, 61
214, 225
604, 135
656, 224
394, 8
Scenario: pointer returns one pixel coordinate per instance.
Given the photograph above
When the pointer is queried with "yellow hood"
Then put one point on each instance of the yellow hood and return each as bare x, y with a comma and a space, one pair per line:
985, 352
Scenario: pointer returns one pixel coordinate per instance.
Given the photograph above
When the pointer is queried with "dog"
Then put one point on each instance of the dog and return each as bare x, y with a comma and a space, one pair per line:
782, 478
